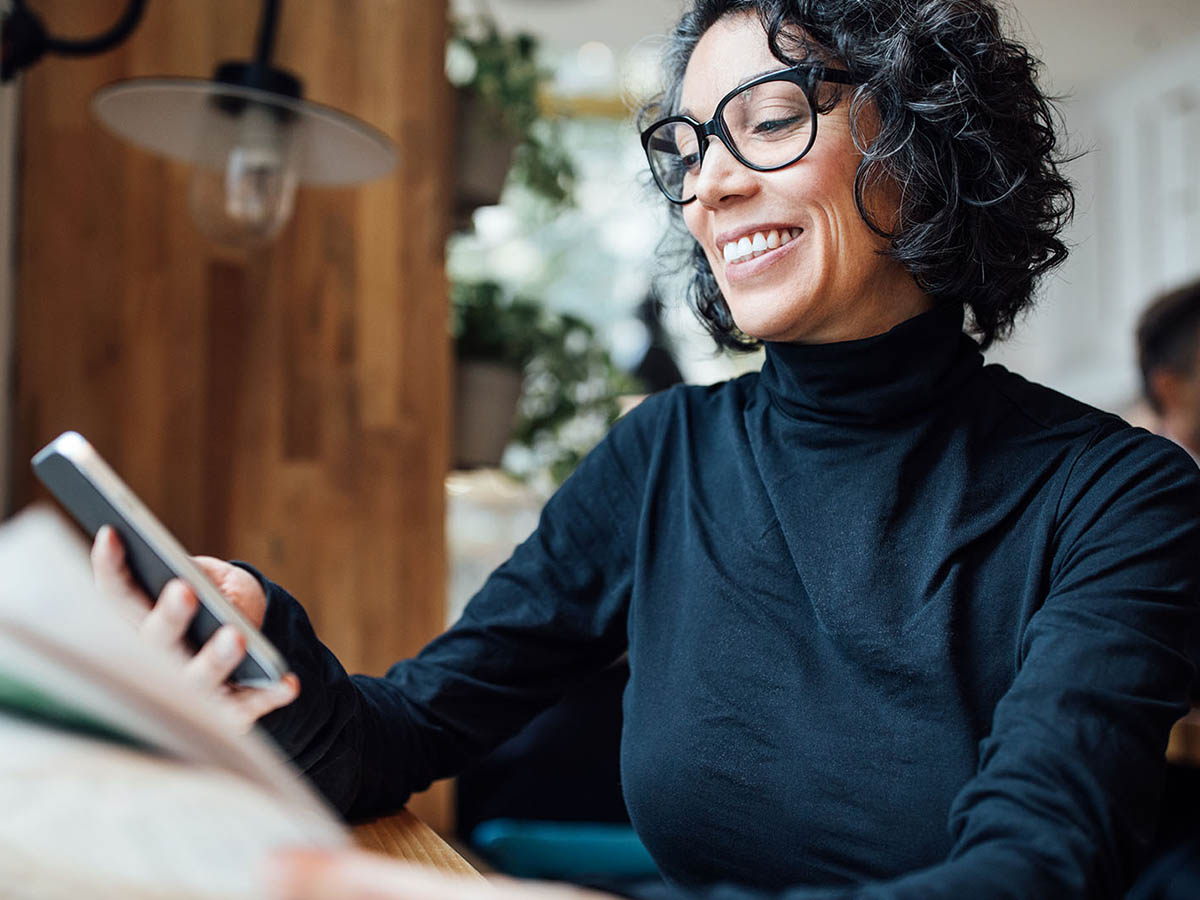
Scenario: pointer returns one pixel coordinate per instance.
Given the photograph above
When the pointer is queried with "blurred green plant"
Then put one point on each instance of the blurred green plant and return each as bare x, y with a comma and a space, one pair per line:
488, 326
570, 390
503, 74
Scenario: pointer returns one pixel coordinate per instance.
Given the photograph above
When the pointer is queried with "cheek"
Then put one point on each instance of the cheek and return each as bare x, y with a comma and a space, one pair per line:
693, 218
881, 203
838, 186
850, 233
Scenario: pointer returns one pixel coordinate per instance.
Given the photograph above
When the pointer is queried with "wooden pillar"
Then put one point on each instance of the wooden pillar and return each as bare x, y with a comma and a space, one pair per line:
287, 406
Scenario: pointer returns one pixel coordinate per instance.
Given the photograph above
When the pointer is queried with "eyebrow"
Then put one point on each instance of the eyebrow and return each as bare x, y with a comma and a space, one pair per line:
745, 81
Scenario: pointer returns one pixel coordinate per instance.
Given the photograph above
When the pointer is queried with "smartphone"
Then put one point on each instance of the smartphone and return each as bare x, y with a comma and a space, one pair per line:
93, 493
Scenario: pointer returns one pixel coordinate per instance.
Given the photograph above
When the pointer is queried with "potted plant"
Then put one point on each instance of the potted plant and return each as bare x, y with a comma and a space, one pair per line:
494, 339
499, 123
529, 376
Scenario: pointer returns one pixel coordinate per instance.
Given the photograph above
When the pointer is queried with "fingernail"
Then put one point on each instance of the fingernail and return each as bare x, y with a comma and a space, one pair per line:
180, 597
228, 644
289, 687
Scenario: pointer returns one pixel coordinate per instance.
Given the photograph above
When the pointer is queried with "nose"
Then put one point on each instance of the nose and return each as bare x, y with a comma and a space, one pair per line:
721, 176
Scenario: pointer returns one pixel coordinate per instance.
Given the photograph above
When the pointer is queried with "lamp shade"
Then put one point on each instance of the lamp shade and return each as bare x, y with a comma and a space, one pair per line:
178, 117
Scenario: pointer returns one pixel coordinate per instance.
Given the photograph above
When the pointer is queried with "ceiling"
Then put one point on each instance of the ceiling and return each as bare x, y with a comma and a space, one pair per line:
1080, 41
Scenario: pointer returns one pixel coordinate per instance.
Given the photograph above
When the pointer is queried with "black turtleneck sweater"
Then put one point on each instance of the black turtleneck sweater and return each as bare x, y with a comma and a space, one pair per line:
899, 624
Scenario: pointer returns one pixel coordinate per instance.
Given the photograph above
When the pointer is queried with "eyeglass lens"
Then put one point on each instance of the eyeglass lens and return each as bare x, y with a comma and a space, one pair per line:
770, 125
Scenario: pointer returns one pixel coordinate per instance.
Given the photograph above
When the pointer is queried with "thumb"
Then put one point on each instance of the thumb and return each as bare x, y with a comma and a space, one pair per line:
216, 569
237, 585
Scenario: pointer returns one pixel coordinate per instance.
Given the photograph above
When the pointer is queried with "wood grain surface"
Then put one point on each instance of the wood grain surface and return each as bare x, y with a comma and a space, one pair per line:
1183, 746
405, 837
286, 406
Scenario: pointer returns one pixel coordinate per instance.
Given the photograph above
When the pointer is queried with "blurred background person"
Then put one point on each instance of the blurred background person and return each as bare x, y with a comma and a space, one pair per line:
1168, 344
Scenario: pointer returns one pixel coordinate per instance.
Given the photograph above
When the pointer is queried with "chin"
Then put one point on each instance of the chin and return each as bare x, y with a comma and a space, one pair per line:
769, 332
779, 326
776, 313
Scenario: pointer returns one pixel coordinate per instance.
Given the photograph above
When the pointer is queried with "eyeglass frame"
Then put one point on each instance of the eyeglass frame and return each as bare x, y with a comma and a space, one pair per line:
804, 75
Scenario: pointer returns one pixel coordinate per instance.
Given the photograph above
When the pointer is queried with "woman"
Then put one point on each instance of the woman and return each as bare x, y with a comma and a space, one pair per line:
899, 624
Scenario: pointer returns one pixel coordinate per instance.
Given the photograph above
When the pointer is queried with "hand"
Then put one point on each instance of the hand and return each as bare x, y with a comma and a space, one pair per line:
165, 623
355, 875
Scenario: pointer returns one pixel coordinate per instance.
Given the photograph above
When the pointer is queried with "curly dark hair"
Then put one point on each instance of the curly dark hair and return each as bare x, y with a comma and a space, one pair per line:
964, 131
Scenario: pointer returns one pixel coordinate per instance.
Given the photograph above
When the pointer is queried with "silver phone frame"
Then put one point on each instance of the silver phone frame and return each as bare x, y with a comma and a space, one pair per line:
76, 449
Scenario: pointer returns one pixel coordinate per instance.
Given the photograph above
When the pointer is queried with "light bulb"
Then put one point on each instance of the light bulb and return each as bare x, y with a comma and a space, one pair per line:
243, 184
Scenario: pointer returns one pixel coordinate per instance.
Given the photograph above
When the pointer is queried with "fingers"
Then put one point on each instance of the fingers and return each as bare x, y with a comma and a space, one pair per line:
168, 621
111, 572
215, 661
167, 624
251, 704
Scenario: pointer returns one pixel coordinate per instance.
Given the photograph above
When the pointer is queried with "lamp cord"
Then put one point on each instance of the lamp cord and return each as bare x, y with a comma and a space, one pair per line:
265, 43
101, 42
25, 39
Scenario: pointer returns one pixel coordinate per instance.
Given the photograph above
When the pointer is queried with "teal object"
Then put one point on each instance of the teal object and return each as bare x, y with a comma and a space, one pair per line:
563, 850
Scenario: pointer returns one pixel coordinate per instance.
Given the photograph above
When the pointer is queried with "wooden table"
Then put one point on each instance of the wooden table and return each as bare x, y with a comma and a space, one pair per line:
1183, 749
404, 836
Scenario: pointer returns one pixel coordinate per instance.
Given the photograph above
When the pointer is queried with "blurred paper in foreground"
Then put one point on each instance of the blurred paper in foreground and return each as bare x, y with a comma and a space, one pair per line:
117, 777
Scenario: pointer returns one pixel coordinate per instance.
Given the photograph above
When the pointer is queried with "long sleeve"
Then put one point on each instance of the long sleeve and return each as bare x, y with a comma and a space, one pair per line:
1069, 779
899, 625
549, 617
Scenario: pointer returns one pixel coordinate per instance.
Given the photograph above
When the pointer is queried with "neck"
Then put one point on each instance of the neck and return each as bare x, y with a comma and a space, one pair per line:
877, 379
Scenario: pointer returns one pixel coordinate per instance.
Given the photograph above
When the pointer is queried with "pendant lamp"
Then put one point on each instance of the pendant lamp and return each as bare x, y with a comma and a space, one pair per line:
249, 134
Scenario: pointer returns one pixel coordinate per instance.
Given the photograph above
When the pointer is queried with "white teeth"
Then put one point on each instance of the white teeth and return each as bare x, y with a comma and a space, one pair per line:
758, 243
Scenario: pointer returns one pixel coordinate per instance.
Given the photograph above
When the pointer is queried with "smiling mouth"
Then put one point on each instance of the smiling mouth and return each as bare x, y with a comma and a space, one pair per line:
754, 245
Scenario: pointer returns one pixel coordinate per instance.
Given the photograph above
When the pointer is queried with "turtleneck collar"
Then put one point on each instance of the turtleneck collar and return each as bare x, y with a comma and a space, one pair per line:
876, 379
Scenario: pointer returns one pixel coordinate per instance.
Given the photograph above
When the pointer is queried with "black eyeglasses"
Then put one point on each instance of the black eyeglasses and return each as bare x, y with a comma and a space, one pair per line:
767, 123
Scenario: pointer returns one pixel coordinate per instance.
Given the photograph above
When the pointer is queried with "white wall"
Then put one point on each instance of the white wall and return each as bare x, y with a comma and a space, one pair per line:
1137, 228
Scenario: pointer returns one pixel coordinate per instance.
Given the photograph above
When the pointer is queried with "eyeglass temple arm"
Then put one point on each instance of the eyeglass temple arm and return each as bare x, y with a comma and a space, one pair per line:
839, 76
